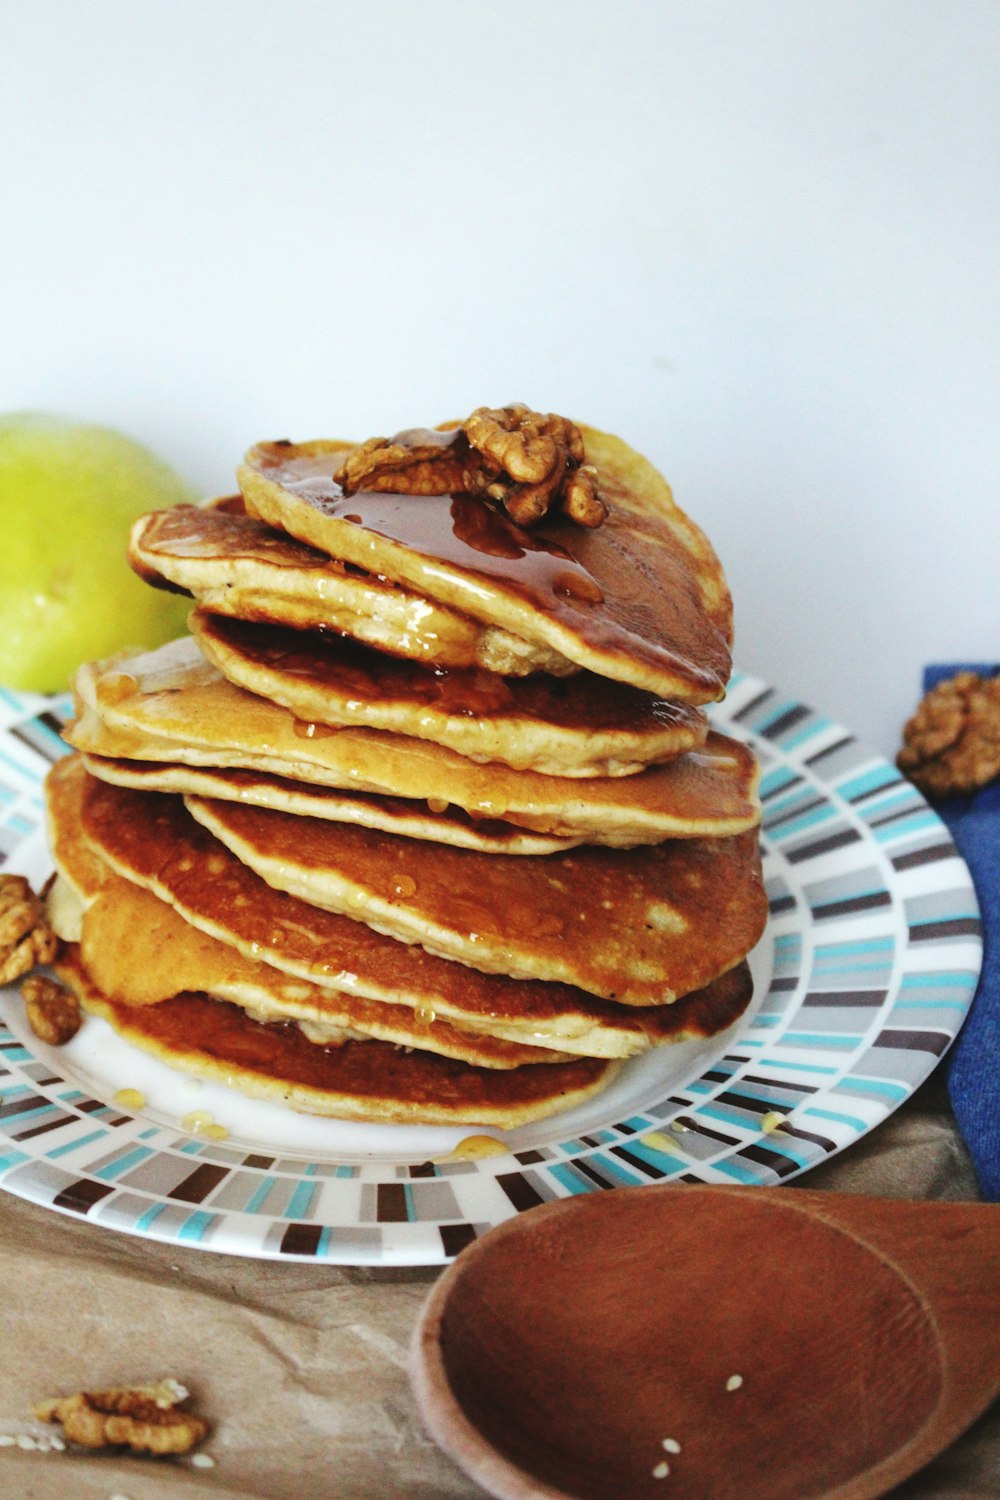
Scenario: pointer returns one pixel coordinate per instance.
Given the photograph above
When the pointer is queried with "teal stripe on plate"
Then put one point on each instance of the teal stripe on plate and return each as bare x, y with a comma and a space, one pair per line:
657, 1156
903, 1005
144, 1221
905, 826
260, 1196
802, 1154
831, 1114
799, 1067
868, 781
826, 1042
197, 1226
12, 1159
28, 1114
808, 820
774, 780
52, 739
562, 1172
962, 979
790, 742
863, 945
130, 1159
615, 1169
880, 1088
301, 1202
76, 1143
729, 1114
773, 713
743, 1171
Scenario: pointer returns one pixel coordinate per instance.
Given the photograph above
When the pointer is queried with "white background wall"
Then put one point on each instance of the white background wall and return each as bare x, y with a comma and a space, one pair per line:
758, 238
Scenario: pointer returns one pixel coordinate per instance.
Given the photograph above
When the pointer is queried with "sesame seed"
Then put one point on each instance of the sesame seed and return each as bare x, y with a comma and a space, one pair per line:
7, 1440
26, 1442
202, 1461
662, 1470
671, 1445
734, 1382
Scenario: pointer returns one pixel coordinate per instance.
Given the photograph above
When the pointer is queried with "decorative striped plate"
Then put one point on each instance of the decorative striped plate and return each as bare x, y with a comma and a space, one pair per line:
863, 978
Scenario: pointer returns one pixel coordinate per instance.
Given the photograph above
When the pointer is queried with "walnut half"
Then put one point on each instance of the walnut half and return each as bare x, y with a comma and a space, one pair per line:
146, 1418
952, 743
53, 1013
528, 462
26, 940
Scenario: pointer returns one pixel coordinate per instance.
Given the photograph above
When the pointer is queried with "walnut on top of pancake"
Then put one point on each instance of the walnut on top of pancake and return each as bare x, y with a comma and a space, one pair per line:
526, 461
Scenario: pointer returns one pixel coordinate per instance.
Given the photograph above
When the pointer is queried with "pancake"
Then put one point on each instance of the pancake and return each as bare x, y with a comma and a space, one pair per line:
138, 949
412, 819
639, 926
235, 565
641, 598
367, 1080
561, 726
152, 840
172, 706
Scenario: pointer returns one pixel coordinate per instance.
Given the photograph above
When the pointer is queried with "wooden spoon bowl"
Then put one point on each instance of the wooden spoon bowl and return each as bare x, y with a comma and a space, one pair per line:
701, 1341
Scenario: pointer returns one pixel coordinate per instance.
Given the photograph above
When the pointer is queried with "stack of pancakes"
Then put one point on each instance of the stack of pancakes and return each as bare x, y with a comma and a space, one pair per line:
424, 820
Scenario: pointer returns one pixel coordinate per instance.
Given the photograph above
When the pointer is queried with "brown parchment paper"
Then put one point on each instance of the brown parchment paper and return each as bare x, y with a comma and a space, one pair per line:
302, 1369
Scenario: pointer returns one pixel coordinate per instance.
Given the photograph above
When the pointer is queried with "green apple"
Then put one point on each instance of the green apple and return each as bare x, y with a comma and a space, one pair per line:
68, 494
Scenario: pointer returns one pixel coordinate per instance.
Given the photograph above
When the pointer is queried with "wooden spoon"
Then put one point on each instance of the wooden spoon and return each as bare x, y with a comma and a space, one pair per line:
712, 1343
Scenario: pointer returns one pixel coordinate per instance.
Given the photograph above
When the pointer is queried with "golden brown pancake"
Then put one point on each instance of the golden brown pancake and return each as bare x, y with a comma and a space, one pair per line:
641, 598
561, 726
140, 950
235, 565
152, 840
640, 926
366, 1080
172, 706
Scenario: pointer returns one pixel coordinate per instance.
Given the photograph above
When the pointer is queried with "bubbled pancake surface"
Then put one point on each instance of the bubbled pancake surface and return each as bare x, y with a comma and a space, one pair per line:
641, 598
140, 950
640, 926
171, 705
566, 726
152, 840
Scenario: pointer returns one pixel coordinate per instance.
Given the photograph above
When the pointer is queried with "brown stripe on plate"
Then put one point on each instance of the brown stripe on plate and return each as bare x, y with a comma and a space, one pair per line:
80, 1196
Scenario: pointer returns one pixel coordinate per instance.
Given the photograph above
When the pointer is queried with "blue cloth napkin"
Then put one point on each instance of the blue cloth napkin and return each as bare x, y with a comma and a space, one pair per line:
974, 1063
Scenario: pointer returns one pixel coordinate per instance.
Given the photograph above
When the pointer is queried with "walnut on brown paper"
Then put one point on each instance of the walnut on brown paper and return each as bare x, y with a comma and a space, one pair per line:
952, 743
146, 1418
